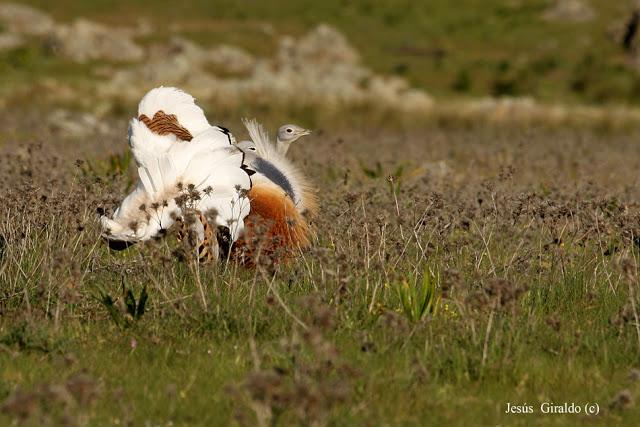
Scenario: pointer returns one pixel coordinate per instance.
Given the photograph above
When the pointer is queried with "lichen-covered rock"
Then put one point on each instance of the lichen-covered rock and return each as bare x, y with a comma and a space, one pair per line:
570, 10
75, 124
85, 40
322, 46
10, 41
21, 19
224, 58
231, 58
319, 69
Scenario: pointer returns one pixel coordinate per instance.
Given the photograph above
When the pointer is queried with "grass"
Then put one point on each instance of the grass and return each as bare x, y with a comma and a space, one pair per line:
532, 291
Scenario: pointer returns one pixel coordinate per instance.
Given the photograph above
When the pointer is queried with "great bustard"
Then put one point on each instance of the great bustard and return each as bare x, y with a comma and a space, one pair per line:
259, 199
282, 199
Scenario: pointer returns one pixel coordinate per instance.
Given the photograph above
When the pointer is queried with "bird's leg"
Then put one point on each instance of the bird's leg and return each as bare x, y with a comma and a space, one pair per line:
199, 234
208, 250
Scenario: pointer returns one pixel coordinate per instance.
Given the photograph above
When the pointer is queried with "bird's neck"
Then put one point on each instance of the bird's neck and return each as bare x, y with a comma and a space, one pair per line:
282, 146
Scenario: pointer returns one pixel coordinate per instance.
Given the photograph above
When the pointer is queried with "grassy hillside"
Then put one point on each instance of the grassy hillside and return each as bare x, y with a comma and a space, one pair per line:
476, 48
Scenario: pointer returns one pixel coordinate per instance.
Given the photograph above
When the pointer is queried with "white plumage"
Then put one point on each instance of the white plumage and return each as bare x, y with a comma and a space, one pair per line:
204, 170
147, 145
171, 100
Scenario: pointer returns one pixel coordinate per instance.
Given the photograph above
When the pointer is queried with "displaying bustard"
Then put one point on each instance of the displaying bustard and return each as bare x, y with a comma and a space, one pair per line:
282, 198
254, 195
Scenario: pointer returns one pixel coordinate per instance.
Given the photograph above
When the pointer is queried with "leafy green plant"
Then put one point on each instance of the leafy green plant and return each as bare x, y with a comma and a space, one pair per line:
376, 172
419, 297
26, 337
115, 164
124, 311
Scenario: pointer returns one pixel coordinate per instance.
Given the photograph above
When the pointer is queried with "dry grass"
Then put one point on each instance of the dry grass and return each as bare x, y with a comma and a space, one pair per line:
529, 235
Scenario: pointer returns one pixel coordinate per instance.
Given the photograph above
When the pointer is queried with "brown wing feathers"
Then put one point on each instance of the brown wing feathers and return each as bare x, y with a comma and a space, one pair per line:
164, 124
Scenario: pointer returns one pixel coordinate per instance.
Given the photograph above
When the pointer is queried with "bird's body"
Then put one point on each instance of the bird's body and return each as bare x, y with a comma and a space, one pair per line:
249, 190
281, 197
182, 162
273, 167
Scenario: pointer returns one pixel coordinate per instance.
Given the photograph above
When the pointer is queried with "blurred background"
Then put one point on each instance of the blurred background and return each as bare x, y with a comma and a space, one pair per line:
549, 59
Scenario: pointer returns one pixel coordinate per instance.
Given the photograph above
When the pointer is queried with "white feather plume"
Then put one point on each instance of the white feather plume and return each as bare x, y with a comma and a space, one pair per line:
147, 146
171, 100
264, 147
169, 168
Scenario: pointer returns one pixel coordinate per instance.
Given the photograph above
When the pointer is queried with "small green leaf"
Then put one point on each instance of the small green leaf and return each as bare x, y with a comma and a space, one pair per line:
108, 302
418, 297
130, 302
142, 302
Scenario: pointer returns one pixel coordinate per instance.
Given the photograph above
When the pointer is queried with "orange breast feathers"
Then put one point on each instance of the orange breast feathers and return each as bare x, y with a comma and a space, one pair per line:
274, 228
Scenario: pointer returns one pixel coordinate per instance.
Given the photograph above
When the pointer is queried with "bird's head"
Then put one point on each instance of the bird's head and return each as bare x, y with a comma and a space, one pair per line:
290, 133
246, 146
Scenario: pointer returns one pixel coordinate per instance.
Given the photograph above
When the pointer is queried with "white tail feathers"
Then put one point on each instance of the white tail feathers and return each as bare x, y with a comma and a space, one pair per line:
211, 181
147, 146
264, 147
171, 100
203, 172
168, 117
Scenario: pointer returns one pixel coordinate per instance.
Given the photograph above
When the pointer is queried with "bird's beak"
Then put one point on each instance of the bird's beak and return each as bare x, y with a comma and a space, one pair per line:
305, 132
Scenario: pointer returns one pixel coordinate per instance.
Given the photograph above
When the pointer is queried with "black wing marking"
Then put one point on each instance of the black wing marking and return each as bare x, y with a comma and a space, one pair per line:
226, 132
274, 174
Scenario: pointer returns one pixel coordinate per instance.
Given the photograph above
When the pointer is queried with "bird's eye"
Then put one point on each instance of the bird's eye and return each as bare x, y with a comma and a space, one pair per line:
289, 130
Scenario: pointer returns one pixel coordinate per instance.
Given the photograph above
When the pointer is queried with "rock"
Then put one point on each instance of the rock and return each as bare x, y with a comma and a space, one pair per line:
225, 58
569, 10
232, 59
173, 70
178, 46
21, 19
396, 93
76, 124
80, 41
323, 68
9, 41
322, 46
84, 40
319, 69
143, 28
416, 100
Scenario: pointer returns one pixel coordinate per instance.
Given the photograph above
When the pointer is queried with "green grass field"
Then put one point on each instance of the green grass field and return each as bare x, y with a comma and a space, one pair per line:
529, 244
458, 267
